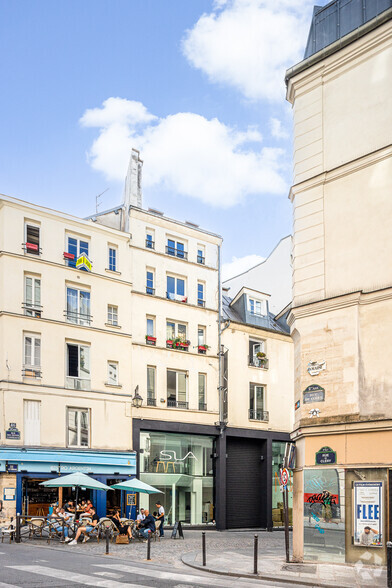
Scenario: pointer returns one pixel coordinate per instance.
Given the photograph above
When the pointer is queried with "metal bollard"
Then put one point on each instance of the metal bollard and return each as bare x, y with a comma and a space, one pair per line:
17, 534
203, 547
149, 547
107, 537
255, 553
389, 564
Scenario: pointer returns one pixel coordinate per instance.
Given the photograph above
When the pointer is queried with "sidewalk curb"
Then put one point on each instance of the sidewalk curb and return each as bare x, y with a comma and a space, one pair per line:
261, 576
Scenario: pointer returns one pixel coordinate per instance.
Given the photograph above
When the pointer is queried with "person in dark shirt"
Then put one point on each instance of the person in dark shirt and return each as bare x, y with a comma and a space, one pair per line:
69, 506
148, 525
122, 529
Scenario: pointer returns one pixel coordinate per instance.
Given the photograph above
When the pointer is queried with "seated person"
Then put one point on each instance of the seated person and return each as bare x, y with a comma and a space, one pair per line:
69, 506
141, 516
122, 529
147, 525
87, 528
83, 505
89, 506
58, 525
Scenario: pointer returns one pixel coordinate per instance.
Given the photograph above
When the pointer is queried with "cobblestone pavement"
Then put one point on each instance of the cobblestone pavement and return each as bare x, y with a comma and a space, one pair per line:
169, 551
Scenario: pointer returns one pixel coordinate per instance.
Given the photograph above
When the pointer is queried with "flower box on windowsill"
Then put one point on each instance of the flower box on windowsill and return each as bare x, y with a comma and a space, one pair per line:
151, 340
169, 343
202, 349
69, 255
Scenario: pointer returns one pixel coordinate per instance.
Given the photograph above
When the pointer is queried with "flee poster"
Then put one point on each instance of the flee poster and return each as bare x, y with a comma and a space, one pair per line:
368, 514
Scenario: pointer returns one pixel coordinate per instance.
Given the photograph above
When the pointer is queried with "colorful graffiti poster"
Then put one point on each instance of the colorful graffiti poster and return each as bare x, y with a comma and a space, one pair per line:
368, 514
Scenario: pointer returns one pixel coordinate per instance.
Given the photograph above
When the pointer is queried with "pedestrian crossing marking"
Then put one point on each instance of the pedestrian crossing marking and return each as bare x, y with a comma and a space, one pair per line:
69, 576
109, 575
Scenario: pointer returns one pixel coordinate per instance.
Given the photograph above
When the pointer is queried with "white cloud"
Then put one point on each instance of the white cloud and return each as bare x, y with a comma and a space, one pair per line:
238, 265
248, 44
277, 129
185, 152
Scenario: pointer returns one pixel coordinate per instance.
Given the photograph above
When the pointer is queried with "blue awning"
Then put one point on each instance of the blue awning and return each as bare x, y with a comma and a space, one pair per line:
67, 460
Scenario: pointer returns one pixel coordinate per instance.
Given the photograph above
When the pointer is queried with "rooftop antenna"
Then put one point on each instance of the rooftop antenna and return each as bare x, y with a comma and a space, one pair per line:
96, 200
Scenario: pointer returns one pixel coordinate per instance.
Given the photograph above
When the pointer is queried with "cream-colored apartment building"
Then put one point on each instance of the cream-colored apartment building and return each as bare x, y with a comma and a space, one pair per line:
342, 280
118, 358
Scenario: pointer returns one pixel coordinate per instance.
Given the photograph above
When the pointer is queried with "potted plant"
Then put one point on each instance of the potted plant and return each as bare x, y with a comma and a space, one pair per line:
169, 342
150, 340
203, 348
261, 356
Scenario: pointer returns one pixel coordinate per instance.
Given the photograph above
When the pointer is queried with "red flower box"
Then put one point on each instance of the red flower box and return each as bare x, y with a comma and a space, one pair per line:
68, 255
149, 338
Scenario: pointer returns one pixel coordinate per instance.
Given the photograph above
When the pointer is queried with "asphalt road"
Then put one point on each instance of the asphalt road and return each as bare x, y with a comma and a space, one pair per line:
35, 566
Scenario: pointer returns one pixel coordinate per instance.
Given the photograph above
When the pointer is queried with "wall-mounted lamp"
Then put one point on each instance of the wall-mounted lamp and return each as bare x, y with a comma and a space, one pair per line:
137, 400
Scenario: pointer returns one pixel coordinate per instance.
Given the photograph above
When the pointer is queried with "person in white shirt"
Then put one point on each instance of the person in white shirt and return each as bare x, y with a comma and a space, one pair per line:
160, 517
141, 516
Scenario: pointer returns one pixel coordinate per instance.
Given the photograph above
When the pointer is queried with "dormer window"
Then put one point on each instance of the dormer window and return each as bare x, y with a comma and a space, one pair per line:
257, 307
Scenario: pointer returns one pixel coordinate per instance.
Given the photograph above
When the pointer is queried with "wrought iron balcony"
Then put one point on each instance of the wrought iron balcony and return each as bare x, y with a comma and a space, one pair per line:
31, 372
34, 310
150, 290
151, 401
201, 259
78, 318
202, 406
180, 253
171, 403
258, 415
32, 248
77, 383
150, 244
201, 302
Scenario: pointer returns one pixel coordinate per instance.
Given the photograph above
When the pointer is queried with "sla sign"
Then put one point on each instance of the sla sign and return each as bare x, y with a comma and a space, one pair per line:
368, 514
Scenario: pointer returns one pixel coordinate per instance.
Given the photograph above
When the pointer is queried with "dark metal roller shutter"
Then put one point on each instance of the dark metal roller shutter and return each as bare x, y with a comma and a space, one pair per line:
245, 486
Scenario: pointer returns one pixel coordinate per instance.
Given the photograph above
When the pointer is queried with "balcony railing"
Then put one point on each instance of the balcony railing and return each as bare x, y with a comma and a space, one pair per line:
77, 383
151, 401
201, 302
31, 248
34, 310
171, 403
78, 318
150, 244
150, 290
178, 297
31, 372
201, 259
258, 415
151, 340
259, 362
180, 253
202, 406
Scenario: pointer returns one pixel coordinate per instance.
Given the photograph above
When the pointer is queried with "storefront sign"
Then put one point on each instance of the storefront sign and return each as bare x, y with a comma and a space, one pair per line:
368, 514
12, 467
9, 494
75, 468
315, 367
314, 393
325, 456
83, 262
12, 432
172, 455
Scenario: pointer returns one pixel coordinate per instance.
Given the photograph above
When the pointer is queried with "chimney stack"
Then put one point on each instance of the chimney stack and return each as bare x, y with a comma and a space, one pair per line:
133, 182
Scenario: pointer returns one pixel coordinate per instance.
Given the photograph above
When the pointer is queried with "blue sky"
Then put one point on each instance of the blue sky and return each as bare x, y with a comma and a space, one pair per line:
196, 85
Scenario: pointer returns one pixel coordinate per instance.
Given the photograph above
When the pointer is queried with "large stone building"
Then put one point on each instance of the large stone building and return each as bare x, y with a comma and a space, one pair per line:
342, 283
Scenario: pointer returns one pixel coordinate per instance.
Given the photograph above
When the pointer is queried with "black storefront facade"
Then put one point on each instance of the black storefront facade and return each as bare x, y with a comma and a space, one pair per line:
226, 478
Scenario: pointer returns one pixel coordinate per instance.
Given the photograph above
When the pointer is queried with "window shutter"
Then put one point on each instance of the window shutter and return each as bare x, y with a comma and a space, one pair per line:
28, 344
32, 422
37, 352
29, 290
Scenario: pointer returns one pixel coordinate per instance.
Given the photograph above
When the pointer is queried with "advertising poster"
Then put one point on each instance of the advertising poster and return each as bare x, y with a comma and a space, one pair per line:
368, 514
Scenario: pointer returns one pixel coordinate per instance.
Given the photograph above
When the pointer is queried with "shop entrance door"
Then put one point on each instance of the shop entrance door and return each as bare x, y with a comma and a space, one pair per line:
245, 485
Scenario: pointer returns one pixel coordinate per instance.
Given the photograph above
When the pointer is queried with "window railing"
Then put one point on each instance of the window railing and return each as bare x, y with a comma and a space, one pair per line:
151, 401
202, 406
178, 297
31, 372
201, 259
180, 253
258, 415
201, 302
34, 310
151, 340
260, 362
171, 403
31, 248
150, 290
202, 349
150, 244
179, 345
78, 318
77, 383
